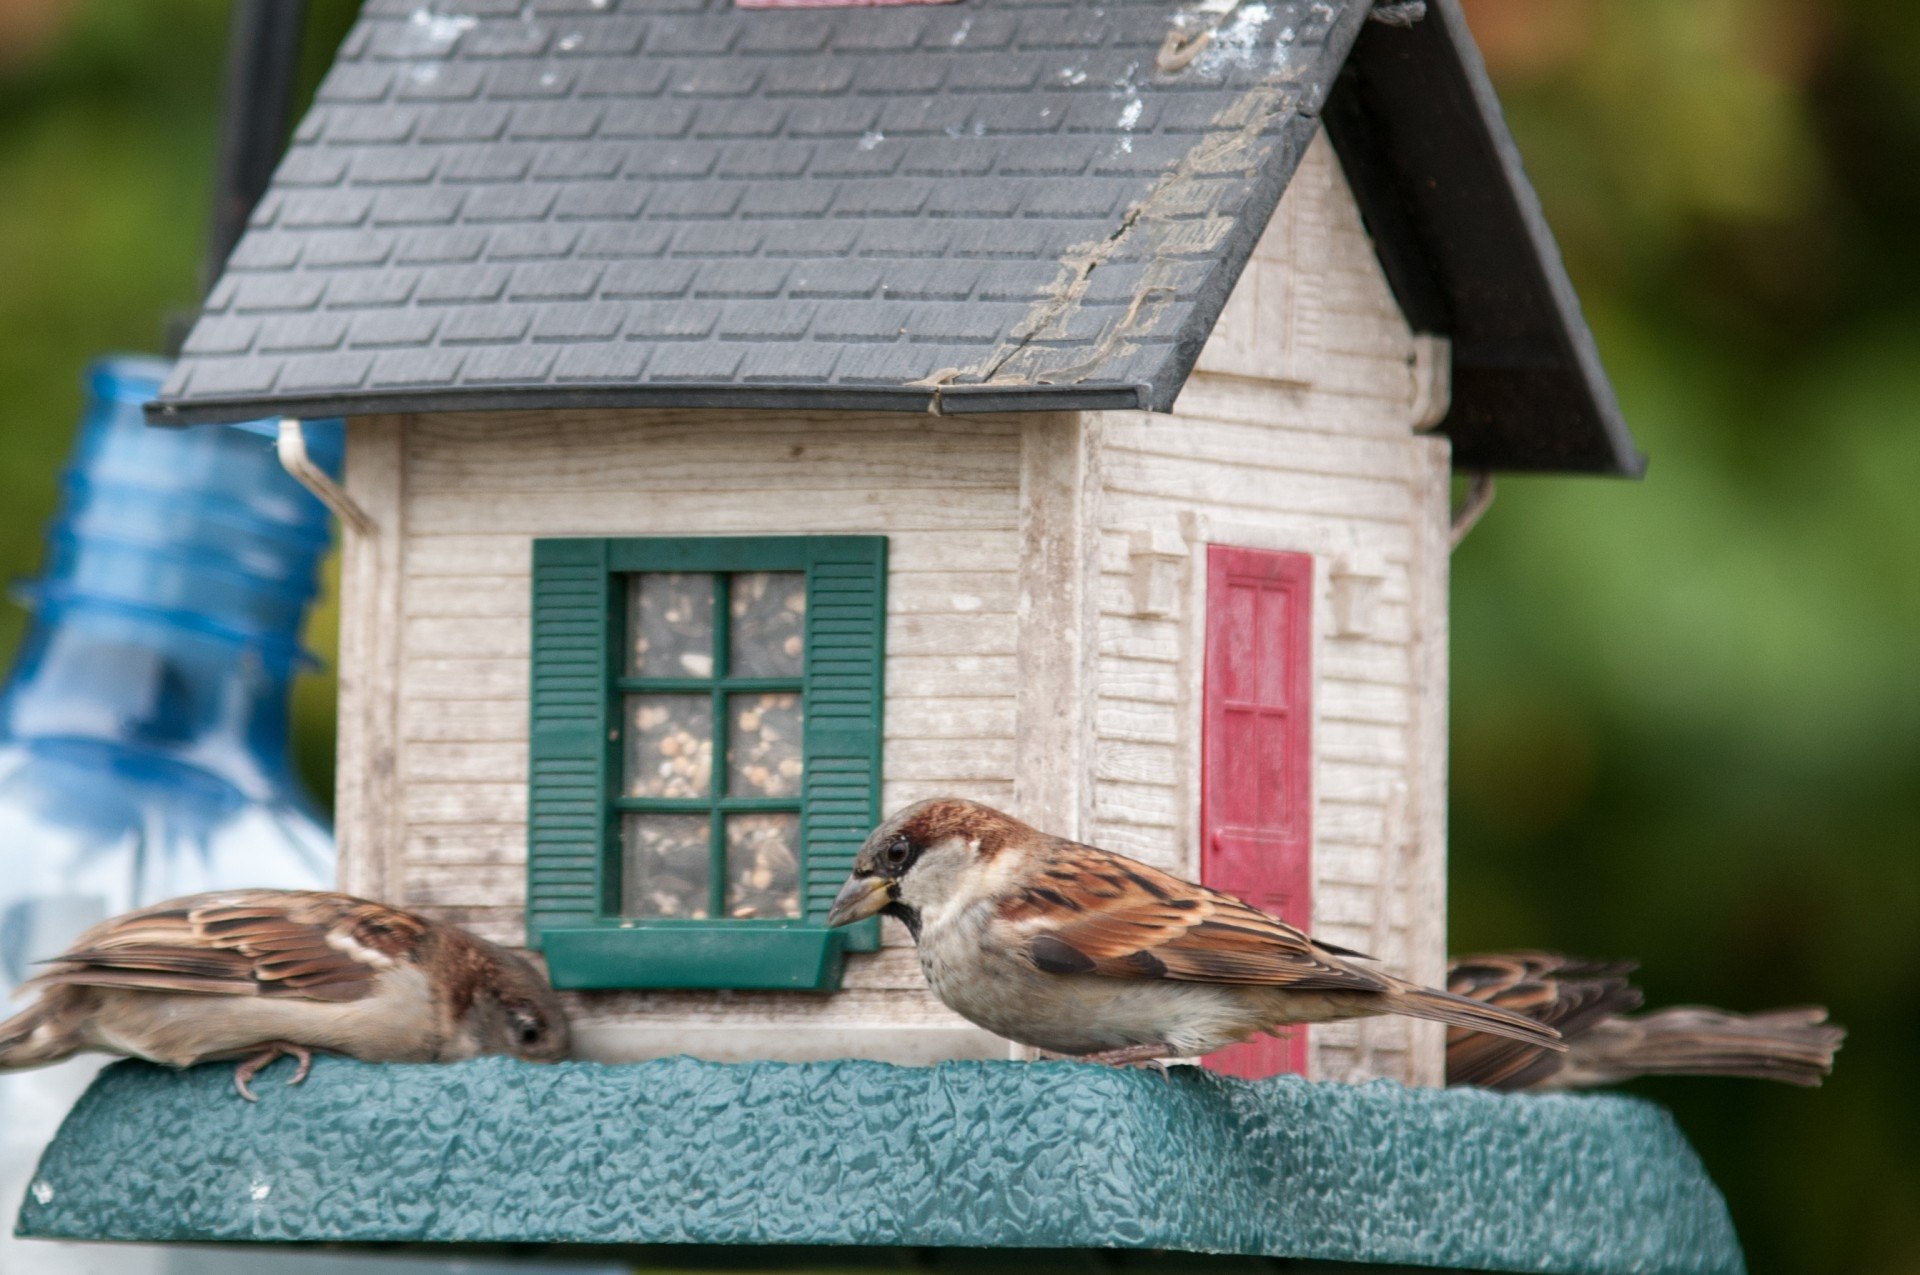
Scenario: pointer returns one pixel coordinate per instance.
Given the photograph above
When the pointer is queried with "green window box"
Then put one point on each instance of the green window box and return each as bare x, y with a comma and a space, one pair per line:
705, 756
757, 956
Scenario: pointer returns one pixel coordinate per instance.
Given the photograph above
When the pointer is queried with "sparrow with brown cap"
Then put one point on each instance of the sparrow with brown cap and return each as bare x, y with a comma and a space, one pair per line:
252, 975
1080, 951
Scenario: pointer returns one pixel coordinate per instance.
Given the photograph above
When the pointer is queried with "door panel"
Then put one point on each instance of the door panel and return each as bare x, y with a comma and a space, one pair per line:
1256, 763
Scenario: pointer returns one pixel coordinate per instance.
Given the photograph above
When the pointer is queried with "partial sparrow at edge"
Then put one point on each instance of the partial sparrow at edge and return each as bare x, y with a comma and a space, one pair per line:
251, 975
1077, 950
1590, 1002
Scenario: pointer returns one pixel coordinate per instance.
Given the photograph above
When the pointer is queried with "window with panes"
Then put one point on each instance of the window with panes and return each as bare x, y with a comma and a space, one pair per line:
705, 755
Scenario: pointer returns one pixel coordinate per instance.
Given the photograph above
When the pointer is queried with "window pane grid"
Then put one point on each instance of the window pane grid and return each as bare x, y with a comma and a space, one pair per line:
717, 852
669, 746
700, 805
659, 685
716, 821
769, 883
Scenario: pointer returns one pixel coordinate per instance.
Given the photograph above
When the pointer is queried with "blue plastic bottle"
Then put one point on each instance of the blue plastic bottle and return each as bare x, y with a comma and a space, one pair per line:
144, 750
143, 730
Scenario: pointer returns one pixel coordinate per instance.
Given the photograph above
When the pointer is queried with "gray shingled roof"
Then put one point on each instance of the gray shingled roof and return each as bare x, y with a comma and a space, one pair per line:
984, 205
679, 201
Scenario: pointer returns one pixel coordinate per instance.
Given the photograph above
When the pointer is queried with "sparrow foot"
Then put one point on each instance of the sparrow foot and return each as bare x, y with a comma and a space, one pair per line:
1132, 1056
244, 1073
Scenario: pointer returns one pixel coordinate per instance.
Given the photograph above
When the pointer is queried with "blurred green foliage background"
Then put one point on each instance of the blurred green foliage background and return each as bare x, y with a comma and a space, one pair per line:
1686, 711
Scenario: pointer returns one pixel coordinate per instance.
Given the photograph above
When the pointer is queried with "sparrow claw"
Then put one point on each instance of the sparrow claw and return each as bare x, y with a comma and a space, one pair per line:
1133, 1056
249, 1068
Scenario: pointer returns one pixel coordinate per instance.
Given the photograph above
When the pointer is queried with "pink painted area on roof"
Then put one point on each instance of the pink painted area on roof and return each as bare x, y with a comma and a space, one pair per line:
826, 4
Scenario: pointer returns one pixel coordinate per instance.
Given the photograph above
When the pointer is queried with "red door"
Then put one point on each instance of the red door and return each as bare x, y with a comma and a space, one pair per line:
1256, 825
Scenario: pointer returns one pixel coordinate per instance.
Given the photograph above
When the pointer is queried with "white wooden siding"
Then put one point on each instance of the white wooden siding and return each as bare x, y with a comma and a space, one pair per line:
1296, 433
441, 821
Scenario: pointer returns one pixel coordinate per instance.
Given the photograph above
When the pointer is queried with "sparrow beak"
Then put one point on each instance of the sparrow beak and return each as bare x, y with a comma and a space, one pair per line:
860, 898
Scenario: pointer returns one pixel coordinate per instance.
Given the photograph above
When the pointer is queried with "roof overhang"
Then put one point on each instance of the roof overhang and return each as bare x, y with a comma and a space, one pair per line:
945, 400
1467, 250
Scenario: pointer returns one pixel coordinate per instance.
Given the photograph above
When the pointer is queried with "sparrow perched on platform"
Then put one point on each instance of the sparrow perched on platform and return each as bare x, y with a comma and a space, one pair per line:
251, 975
1080, 951
1590, 1003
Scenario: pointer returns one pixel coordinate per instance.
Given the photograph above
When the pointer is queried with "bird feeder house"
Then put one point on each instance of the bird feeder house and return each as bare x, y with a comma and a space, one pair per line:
762, 417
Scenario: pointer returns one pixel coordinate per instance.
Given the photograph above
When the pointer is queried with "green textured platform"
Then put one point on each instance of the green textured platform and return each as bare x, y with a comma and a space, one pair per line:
963, 1155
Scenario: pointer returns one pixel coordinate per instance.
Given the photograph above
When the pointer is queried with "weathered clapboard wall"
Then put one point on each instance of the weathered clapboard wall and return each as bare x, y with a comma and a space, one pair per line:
1297, 433
1021, 669
435, 649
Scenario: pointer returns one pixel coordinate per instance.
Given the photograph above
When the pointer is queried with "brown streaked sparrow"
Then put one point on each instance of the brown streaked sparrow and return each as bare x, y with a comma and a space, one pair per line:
1589, 1002
251, 975
1077, 950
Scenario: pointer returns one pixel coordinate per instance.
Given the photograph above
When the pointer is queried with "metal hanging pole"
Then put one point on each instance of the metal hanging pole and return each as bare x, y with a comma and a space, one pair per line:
256, 107
256, 111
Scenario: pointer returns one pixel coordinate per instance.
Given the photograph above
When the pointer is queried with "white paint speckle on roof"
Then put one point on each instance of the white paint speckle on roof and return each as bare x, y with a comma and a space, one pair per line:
1234, 34
1236, 41
442, 28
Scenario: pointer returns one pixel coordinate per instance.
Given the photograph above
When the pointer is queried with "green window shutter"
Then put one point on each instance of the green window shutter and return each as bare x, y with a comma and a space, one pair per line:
845, 661
575, 807
568, 748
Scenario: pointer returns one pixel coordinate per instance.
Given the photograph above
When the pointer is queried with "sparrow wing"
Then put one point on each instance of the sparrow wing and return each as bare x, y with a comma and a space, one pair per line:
1093, 912
283, 943
1562, 992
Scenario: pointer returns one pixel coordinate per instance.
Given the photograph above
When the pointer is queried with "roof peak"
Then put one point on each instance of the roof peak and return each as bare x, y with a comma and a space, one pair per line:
983, 205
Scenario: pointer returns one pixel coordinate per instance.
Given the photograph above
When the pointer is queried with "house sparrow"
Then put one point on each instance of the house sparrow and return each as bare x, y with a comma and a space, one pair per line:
1080, 951
1589, 1001
252, 975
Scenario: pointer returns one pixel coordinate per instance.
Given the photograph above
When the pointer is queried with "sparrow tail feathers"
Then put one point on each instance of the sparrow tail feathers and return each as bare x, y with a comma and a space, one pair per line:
34, 1037
1791, 1045
1460, 1011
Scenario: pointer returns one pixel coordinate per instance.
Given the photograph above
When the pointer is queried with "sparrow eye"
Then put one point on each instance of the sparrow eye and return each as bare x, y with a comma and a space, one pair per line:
529, 1034
898, 851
